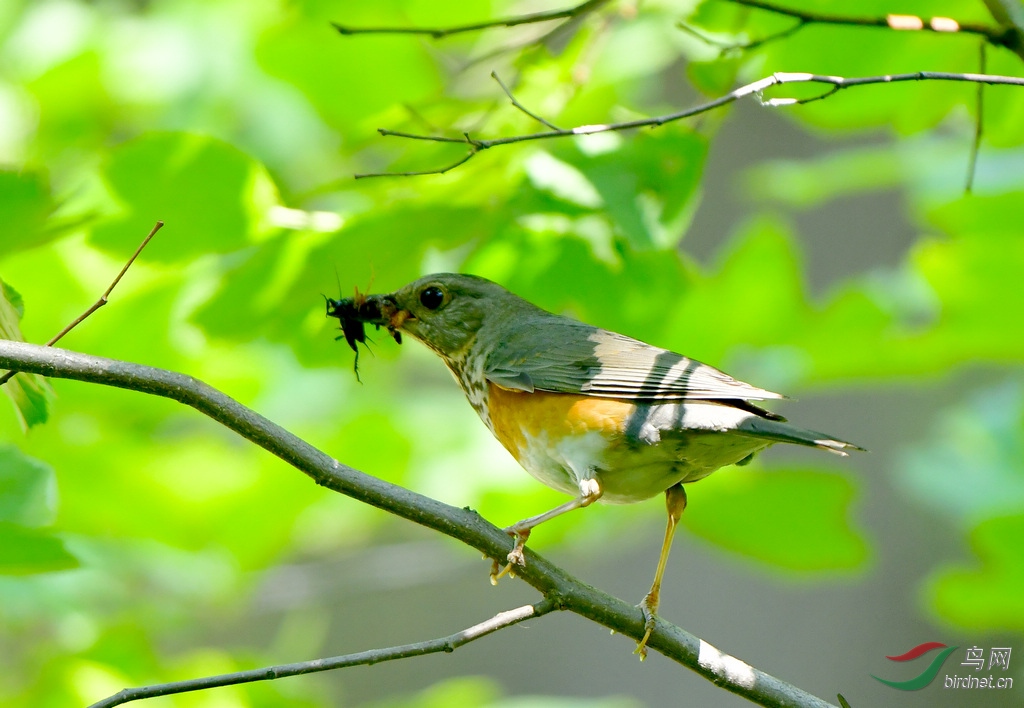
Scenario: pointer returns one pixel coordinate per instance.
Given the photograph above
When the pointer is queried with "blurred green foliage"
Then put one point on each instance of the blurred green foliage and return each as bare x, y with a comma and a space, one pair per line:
239, 125
28, 392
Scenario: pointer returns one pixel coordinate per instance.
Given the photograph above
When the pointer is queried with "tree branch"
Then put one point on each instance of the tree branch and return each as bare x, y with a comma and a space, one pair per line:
442, 32
374, 656
462, 524
757, 88
1006, 35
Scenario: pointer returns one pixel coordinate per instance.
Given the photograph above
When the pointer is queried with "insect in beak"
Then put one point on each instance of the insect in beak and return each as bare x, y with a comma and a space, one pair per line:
355, 312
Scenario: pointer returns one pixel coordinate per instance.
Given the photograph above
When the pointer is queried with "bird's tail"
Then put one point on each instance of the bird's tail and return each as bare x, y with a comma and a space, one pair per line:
783, 432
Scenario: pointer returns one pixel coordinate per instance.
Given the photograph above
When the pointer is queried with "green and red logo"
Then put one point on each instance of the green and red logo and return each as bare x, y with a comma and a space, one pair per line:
926, 676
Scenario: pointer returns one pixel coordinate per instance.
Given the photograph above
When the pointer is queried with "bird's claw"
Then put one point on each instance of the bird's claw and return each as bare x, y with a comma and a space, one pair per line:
515, 556
647, 606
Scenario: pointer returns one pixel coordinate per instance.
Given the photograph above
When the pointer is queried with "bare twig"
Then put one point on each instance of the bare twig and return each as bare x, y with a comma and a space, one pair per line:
517, 104
462, 524
1003, 36
528, 44
979, 105
374, 656
727, 47
757, 88
442, 32
438, 171
99, 303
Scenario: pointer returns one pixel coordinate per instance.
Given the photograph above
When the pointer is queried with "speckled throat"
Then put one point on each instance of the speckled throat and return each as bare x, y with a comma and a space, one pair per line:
468, 370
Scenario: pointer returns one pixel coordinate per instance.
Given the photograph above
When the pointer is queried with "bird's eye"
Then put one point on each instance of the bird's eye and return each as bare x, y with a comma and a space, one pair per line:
432, 297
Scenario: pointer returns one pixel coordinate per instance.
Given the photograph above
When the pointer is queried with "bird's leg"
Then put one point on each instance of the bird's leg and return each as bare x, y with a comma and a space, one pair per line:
675, 502
590, 492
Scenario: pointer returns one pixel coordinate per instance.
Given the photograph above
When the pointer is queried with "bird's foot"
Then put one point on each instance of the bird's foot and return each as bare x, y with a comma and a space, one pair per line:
514, 558
648, 606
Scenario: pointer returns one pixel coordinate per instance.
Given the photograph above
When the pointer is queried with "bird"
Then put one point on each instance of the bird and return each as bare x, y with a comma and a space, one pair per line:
587, 411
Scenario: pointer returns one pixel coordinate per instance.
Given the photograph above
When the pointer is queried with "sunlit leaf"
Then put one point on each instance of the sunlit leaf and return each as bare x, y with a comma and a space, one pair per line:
25, 203
211, 196
985, 595
26, 551
27, 489
338, 83
795, 519
30, 393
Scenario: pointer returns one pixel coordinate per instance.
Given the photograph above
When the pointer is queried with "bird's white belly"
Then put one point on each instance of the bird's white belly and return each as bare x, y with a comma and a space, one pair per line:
625, 473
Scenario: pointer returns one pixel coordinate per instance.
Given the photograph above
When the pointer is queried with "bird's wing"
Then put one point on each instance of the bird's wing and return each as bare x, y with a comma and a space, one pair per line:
558, 354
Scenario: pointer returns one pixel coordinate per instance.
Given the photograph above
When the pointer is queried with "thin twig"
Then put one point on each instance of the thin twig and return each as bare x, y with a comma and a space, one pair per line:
374, 656
1000, 36
728, 47
517, 104
465, 525
835, 83
528, 44
979, 105
99, 303
439, 171
442, 32
413, 136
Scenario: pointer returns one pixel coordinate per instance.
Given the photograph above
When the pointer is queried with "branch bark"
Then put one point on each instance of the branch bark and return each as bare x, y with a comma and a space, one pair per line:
465, 525
442, 32
756, 88
1002, 36
364, 658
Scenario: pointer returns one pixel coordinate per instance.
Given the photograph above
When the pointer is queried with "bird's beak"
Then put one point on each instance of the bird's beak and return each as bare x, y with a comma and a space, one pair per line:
392, 314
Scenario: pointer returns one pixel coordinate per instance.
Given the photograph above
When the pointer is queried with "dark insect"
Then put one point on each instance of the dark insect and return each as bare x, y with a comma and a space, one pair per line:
353, 313
356, 312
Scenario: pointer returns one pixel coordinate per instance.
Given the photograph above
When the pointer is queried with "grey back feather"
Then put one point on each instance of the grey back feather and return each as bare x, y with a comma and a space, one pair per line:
548, 352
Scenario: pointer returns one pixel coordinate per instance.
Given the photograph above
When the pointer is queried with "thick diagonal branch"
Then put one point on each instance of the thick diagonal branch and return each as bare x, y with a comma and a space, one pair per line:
462, 524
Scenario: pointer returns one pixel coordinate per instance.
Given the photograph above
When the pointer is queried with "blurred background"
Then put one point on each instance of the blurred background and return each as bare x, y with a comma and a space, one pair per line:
827, 250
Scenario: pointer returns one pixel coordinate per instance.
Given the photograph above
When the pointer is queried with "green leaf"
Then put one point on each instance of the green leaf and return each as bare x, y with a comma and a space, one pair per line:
29, 393
809, 183
713, 78
28, 551
616, 295
797, 519
28, 489
75, 102
757, 288
339, 83
212, 196
986, 595
648, 186
561, 179
25, 204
